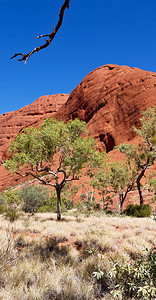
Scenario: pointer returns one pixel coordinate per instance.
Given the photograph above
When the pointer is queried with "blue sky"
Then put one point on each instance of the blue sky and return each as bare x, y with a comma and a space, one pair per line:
94, 33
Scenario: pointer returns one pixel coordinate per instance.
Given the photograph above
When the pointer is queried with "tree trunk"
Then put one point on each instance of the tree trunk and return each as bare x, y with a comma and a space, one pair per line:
121, 204
103, 202
58, 191
91, 198
140, 192
139, 185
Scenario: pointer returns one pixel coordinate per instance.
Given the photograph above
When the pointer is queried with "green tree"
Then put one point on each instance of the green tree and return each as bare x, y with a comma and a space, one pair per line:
117, 179
143, 155
54, 154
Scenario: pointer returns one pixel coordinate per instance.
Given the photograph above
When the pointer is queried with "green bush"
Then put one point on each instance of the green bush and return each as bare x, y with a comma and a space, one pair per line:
135, 279
10, 204
3, 206
44, 208
146, 210
12, 214
3, 209
135, 210
88, 207
33, 197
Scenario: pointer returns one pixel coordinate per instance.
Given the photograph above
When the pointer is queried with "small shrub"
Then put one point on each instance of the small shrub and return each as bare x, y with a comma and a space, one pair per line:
2, 199
137, 279
44, 208
9, 204
138, 211
12, 214
146, 210
2, 209
88, 207
83, 196
33, 197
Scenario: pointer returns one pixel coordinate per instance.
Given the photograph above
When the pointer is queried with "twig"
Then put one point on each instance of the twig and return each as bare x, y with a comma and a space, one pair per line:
51, 36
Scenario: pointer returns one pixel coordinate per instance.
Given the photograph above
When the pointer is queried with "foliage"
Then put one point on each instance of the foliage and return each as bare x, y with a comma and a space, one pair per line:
33, 197
9, 204
116, 179
136, 279
88, 207
148, 127
138, 211
9, 197
2, 203
152, 184
143, 155
35, 146
55, 150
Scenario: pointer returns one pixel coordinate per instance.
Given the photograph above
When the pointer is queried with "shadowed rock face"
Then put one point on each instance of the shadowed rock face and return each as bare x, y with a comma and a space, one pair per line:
110, 99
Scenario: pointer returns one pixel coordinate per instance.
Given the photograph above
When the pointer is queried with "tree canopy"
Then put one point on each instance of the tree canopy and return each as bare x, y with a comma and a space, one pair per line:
55, 154
143, 155
117, 178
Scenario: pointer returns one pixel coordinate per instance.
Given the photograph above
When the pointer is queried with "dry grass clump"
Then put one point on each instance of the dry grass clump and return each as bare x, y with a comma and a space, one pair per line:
33, 279
70, 259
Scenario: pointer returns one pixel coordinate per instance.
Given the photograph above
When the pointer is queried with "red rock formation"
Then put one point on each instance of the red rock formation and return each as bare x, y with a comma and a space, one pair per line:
110, 99
13, 122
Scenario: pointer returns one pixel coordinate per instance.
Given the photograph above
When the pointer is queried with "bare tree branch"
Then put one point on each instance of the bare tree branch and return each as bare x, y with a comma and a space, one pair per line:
35, 176
51, 35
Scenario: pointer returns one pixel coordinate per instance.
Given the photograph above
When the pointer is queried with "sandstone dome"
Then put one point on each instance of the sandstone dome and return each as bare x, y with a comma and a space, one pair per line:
110, 100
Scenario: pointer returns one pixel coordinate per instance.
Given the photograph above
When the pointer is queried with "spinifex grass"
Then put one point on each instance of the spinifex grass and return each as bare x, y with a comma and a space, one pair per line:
69, 259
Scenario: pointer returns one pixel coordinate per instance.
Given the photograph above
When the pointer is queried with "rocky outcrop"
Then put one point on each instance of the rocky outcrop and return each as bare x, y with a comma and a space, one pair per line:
110, 99
13, 122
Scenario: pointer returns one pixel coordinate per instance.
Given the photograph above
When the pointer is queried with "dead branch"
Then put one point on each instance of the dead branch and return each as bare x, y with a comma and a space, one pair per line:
51, 36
